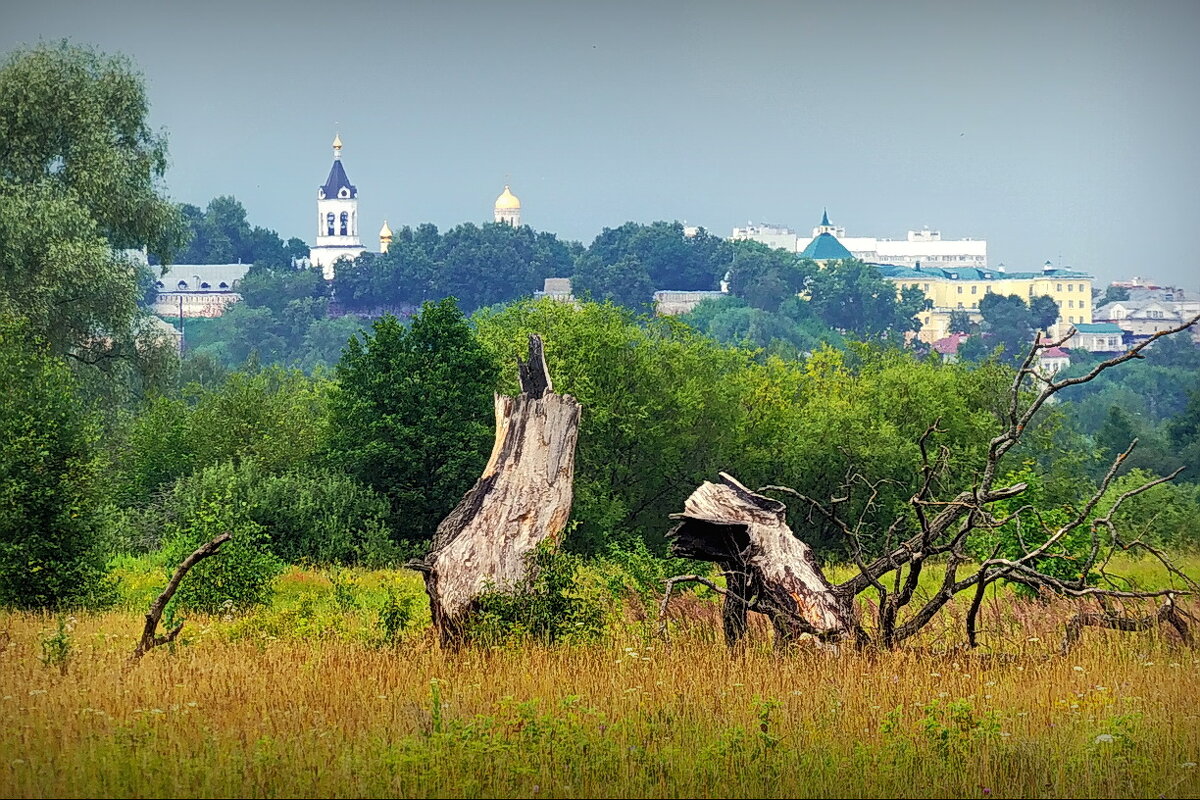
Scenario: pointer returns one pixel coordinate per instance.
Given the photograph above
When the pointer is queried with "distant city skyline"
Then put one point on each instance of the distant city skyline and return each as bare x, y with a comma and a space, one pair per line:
1060, 131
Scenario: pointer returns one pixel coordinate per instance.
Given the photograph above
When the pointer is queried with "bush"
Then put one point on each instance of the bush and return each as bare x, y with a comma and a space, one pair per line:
549, 605
51, 544
315, 517
199, 508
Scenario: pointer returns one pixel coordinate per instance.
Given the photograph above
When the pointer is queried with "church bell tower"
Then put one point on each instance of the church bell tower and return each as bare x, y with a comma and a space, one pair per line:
337, 217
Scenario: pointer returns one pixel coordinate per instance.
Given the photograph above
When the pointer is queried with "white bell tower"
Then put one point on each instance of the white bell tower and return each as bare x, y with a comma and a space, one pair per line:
337, 217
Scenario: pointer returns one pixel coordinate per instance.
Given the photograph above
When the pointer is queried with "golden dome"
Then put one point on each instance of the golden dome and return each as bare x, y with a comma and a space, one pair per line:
507, 201
337, 141
385, 232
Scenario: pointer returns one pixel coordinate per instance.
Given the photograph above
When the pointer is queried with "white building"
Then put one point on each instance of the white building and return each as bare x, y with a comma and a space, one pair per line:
337, 217
924, 247
507, 208
198, 290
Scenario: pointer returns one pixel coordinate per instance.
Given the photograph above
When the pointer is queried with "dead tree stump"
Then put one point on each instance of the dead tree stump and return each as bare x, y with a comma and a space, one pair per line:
522, 499
767, 568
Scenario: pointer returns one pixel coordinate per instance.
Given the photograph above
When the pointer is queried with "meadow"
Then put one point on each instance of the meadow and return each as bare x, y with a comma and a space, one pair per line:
339, 689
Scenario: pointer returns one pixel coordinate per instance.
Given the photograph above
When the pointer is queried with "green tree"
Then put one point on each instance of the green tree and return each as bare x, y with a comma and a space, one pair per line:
960, 322
765, 276
51, 548
80, 170
411, 415
671, 259
625, 281
1043, 312
854, 297
1114, 294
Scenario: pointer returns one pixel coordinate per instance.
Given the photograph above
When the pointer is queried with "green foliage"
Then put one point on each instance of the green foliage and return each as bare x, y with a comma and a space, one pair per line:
480, 265
1033, 528
1167, 515
765, 276
274, 416
664, 256
790, 332
855, 297
411, 414
51, 545
1011, 324
547, 606
73, 122
200, 508
221, 235
666, 409
625, 282
56, 648
79, 170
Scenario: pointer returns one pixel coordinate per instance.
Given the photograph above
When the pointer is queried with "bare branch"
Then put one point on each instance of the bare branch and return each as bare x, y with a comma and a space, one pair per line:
150, 639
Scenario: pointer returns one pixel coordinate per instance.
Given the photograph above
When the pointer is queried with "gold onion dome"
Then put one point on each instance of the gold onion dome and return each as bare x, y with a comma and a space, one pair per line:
507, 200
385, 232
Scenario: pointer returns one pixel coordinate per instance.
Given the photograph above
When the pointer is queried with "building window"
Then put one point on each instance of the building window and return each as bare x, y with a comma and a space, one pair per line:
1059, 289
960, 305
1070, 287
1070, 304
345, 224
974, 290
960, 292
329, 224
927, 288
1081, 288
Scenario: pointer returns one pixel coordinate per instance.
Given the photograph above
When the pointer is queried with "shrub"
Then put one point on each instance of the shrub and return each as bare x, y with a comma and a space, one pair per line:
549, 605
201, 507
51, 543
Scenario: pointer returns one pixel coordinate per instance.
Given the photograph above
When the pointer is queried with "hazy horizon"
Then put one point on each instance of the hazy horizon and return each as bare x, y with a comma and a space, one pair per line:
1056, 131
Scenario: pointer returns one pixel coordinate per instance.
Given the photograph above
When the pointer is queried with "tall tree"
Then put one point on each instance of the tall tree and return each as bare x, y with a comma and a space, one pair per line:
80, 170
411, 415
854, 297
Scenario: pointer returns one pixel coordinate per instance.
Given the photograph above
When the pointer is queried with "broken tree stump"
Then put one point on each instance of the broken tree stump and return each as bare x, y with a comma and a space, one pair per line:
522, 499
767, 568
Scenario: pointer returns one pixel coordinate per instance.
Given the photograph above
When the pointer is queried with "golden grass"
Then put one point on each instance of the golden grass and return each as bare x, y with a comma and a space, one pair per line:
244, 711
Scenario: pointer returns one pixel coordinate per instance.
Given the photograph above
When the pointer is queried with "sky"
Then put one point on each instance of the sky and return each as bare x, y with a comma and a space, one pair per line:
1056, 130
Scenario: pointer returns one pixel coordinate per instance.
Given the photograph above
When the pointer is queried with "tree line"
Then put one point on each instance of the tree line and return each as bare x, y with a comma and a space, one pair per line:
111, 445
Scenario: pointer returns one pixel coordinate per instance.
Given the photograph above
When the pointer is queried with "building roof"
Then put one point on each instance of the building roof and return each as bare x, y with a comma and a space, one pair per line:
337, 181
201, 277
826, 247
1097, 327
949, 345
1055, 352
825, 217
901, 272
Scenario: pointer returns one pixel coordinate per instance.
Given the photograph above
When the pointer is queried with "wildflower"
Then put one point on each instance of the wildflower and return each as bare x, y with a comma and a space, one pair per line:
1033, 639
1188, 765
1105, 738
1077, 668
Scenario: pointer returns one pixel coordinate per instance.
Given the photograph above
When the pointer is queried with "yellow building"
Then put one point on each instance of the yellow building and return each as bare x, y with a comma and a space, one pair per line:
953, 289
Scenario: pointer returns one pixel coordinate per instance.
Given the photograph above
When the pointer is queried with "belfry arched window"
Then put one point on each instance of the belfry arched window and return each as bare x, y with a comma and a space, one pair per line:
345, 224
329, 224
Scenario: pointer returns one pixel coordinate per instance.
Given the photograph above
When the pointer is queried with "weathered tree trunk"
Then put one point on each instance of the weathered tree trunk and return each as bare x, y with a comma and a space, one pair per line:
150, 638
523, 498
767, 568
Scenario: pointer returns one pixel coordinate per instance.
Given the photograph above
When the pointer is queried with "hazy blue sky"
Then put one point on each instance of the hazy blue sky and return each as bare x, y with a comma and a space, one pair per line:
1054, 129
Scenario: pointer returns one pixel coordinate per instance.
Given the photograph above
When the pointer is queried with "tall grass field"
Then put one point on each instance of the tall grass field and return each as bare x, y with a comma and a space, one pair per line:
339, 689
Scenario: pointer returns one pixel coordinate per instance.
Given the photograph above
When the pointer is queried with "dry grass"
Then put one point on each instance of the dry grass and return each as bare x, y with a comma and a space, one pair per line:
241, 711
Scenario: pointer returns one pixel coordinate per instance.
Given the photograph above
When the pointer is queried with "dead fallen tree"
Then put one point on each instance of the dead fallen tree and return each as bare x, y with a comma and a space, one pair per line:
770, 571
767, 569
150, 638
522, 498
